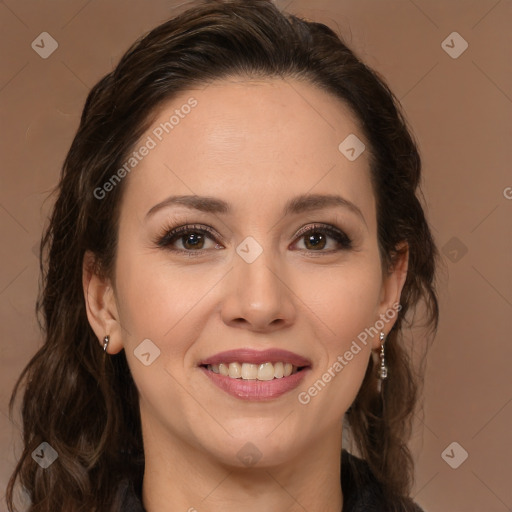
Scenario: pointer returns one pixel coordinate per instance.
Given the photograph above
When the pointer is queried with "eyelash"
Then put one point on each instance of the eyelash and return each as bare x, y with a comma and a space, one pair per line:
171, 235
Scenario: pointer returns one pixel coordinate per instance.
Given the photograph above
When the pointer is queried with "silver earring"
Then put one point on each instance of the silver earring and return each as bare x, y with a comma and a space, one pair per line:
106, 339
383, 370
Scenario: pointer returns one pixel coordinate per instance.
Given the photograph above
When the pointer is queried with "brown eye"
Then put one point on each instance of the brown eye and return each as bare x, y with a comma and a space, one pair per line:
195, 240
191, 238
316, 238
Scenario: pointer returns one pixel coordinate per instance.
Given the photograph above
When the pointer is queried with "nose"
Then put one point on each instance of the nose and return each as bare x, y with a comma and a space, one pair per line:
257, 295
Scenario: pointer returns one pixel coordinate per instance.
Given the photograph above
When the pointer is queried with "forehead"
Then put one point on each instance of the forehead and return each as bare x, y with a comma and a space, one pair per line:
251, 142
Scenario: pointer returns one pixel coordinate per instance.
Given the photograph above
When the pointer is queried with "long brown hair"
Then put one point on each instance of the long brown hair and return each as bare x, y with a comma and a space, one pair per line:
86, 406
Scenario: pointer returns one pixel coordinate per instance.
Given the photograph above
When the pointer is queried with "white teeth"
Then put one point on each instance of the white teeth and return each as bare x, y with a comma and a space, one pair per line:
235, 370
248, 371
278, 370
266, 371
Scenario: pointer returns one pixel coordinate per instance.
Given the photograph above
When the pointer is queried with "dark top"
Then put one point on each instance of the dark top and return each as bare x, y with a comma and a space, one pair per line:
364, 495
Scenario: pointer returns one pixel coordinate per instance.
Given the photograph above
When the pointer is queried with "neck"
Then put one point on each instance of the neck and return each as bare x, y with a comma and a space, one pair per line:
185, 477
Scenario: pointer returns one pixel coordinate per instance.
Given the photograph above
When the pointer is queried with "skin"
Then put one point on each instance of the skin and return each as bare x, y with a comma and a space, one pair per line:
254, 144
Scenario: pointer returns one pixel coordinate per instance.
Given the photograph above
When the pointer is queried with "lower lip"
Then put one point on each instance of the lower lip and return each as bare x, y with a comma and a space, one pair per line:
255, 390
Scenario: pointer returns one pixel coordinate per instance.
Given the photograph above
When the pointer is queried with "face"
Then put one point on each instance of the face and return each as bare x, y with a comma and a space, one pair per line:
260, 266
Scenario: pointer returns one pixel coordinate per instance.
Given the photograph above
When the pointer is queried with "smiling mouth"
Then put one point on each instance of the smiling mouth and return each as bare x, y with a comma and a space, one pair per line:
248, 371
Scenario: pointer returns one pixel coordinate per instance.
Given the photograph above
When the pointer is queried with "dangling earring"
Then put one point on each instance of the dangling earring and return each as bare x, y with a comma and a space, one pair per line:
383, 370
106, 339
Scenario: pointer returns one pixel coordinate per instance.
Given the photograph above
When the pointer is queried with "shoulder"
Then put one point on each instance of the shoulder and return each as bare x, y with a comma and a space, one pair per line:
363, 493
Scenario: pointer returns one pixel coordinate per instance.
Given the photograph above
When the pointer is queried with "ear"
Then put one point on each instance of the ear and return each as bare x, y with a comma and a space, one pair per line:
101, 305
393, 281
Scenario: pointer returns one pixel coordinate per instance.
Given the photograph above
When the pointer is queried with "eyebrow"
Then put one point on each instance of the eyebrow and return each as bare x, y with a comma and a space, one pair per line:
299, 204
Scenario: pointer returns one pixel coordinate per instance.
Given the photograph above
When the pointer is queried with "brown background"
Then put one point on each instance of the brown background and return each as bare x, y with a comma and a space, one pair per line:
460, 111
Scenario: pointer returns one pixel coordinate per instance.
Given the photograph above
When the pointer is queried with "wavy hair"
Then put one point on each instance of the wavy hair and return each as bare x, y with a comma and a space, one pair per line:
85, 405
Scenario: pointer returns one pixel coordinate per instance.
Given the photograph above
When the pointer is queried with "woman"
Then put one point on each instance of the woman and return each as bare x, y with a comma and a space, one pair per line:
234, 247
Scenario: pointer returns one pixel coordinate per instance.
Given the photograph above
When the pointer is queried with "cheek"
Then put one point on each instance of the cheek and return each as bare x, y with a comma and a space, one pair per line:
345, 297
346, 302
157, 299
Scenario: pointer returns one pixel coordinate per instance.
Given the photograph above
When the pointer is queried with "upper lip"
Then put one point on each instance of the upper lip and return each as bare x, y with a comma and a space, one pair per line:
248, 355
